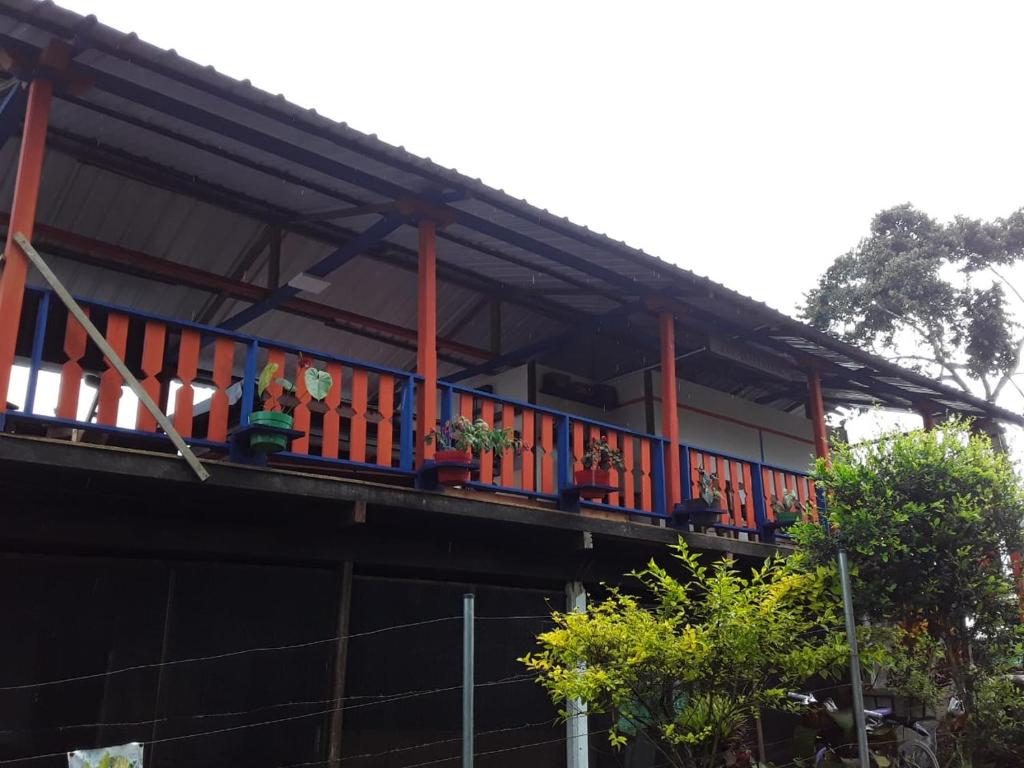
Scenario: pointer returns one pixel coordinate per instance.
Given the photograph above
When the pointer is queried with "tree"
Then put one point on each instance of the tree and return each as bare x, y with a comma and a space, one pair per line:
929, 519
689, 665
929, 295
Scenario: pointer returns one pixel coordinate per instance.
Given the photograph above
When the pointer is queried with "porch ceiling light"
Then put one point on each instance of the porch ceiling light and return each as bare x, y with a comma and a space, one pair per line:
306, 282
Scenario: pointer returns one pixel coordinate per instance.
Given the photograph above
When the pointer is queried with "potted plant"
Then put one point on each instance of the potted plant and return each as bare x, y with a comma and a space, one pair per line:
278, 411
788, 510
459, 439
598, 459
706, 508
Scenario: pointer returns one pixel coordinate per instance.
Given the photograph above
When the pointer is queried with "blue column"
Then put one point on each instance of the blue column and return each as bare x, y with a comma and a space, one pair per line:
406, 449
249, 382
658, 477
563, 447
38, 338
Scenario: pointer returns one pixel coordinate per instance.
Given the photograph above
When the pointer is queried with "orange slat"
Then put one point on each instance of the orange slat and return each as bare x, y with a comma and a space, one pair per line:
75, 339
386, 409
188, 366
223, 365
696, 462
547, 459
110, 380
748, 484
357, 428
508, 458
152, 363
722, 469
332, 419
736, 479
801, 490
274, 390
629, 481
487, 457
813, 493
578, 445
646, 500
529, 470
466, 406
613, 443
300, 414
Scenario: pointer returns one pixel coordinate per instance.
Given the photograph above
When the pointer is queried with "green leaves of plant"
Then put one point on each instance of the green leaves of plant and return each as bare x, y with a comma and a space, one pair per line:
318, 383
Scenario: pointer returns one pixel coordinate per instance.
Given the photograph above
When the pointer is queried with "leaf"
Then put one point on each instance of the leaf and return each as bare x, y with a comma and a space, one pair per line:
318, 383
266, 376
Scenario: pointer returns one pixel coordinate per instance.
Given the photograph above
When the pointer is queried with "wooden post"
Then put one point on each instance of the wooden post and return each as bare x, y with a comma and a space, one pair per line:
927, 419
817, 404
669, 408
426, 346
23, 207
340, 663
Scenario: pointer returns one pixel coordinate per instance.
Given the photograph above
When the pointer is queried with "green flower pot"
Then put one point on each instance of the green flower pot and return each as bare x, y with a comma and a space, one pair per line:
269, 442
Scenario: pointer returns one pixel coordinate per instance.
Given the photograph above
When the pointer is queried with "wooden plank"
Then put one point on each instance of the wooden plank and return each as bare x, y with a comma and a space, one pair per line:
629, 480
385, 427
357, 427
529, 458
487, 457
508, 458
332, 419
153, 341
223, 366
613, 443
547, 459
75, 338
466, 406
646, 497
578, 445
300, 414
110, 380
188, 367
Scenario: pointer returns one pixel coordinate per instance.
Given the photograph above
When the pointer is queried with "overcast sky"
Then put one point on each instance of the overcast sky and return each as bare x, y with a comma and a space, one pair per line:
748, 141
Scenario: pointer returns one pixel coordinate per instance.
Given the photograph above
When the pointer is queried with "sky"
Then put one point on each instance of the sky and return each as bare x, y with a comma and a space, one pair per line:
748, 141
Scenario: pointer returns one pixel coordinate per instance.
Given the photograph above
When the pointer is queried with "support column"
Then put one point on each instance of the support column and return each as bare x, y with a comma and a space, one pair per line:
23, 207
927, 419
426, 346
817, 404
334, 734
577, 745
670, 408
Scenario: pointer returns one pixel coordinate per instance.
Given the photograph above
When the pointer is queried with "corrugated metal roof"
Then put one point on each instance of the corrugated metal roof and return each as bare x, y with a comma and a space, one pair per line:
222, 157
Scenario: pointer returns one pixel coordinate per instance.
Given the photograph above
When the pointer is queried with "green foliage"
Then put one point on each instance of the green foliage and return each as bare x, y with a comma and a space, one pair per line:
600, 455
933, 287
318, 383
687, 665
461, 434
929, 519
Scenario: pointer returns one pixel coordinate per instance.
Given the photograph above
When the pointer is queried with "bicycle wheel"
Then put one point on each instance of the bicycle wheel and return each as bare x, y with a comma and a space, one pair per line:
917, 755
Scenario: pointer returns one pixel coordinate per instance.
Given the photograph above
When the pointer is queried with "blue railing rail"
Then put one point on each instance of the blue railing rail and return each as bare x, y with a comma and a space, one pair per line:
367, 420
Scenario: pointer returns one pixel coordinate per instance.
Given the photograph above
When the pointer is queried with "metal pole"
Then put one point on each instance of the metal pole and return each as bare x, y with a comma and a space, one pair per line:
467, 681
851, 638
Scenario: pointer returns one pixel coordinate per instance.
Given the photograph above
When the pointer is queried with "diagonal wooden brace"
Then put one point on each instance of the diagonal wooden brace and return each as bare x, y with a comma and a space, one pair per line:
115, 360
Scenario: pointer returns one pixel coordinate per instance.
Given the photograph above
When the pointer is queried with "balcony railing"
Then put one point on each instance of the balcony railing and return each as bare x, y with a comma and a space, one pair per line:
204, 379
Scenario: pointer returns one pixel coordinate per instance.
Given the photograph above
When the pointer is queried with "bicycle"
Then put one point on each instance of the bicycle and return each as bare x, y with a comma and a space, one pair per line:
918, 753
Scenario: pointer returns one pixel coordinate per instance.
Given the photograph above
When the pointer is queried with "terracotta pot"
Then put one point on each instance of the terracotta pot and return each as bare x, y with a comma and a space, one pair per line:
584, 478
458, 475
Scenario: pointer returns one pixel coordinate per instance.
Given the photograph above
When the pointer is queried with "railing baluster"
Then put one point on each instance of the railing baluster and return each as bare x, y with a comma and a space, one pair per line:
188, 368
757, 491
301, 417
529, 457
357, 426
223, 365
563, 450
487, 457
153, 342
613, 443
110, 380
646, 501
386, 410
331, 438
628, 477
658, 478
547, 459
508, 458
75, 338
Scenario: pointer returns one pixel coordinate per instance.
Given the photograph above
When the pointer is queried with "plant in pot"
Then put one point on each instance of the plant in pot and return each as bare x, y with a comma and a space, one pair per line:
788, 510
598, 460
706, 508
278, 409
459, 439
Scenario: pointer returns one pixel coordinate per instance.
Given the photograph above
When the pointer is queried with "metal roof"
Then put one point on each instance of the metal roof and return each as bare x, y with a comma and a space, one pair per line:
175, 160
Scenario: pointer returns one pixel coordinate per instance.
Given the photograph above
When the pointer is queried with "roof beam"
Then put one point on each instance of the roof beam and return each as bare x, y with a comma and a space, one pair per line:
321, 269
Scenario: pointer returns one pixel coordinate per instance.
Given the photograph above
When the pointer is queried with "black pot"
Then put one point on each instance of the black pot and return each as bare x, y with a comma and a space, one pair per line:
697, 512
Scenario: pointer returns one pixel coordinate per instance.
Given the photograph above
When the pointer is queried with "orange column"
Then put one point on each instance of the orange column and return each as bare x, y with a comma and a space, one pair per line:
817, 415
927, 419
426, 343
23, 209
670, 409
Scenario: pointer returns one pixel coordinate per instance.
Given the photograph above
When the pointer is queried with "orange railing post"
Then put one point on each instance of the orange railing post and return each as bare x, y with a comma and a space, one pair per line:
817, 415
670, 409
23, 208
426, 346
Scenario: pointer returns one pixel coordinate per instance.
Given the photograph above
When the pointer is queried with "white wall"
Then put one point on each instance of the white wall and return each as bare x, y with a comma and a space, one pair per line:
707, 418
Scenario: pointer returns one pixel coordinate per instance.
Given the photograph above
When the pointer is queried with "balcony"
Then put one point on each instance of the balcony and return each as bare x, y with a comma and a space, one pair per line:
203, 377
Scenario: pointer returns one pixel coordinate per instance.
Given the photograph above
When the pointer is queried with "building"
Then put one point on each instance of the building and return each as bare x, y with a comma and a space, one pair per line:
307, 612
